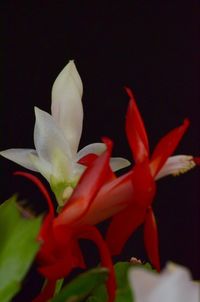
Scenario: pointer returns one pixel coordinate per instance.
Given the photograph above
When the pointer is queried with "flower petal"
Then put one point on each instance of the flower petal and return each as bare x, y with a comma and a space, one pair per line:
118, 163
111, 199
135, 131
51, 145
95, 148
122, 226
67, 106
151, 238
166, 147
23, 157
172, 285
126, 222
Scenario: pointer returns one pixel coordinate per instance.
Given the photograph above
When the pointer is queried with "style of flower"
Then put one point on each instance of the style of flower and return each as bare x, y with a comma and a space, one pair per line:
173, 284
60, 251
57, 136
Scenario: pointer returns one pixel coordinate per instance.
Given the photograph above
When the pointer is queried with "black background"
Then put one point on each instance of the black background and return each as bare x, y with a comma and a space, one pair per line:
150, 46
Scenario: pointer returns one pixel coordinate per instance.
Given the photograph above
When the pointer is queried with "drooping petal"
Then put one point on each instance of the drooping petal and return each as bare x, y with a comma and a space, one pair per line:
172, 285
87, 188
66, 105
23, 157
176, 165
126, 222
166, 147
122, 226
51, 145
135, 131
151, 238
91, 233
118, 163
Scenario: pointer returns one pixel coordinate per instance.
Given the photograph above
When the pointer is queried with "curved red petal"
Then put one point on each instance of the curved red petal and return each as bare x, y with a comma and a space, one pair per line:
85, 192
91, 233
127, 221
166, 147
122, 227
87, 159
151, 239
135, 131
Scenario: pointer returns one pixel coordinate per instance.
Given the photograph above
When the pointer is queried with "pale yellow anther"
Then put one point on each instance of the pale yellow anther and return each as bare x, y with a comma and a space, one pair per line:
188, 163
176, 165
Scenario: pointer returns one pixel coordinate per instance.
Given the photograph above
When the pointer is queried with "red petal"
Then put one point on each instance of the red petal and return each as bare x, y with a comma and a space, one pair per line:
166, 147
90, 183
122, 226
127, 221
196, 160
151, 239
135, 131
47, 292
90, 232
87, 159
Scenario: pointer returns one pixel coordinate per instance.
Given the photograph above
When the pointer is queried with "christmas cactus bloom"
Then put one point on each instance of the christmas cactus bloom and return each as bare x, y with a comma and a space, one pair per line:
60, 251
57, 136
173, 284
139, 185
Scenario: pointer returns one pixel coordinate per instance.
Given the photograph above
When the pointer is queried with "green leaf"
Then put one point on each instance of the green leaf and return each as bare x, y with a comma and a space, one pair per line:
18, 247
123, 292
79, 288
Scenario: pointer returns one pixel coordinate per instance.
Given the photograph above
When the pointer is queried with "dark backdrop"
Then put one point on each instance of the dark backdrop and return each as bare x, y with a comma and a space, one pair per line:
151, 46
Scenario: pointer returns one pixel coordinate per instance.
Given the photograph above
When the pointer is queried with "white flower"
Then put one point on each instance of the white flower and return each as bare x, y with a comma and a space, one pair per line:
57, 136
173, 284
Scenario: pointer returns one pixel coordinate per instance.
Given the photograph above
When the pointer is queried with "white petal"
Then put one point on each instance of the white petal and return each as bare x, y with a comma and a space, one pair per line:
176, 165
42, 166
23, 157
66, 106
51, 144
118, 163
95, 148
172, 285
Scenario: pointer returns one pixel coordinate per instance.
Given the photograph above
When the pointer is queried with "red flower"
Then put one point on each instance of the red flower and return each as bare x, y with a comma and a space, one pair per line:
143, 177
60, 251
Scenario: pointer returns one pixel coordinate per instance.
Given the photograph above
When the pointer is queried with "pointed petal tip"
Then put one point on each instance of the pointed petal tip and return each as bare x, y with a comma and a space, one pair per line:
186, 122
118, 163
195, 159
108, 142
129, 92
